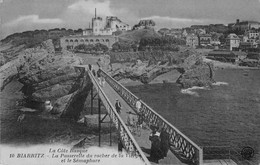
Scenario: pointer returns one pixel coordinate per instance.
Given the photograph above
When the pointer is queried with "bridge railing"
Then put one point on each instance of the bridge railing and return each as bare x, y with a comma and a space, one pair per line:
128, 141
184, 148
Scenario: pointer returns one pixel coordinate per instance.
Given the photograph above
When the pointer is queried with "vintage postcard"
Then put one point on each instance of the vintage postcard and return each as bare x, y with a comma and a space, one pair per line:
140, 82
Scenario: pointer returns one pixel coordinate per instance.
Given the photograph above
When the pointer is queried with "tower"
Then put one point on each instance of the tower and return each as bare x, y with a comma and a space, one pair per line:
96, 24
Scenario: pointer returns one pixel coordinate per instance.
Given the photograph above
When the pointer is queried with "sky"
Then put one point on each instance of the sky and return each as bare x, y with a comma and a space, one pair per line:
23, 15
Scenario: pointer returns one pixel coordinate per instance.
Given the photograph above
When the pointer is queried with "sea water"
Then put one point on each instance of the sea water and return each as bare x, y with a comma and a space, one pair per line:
226, 114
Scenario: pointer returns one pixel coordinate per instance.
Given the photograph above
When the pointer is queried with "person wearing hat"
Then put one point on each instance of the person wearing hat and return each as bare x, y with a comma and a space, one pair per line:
156, 153
118, 106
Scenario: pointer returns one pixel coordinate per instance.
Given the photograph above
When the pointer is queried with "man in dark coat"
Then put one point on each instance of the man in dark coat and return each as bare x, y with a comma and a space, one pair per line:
156, 153
118, 106
165, 142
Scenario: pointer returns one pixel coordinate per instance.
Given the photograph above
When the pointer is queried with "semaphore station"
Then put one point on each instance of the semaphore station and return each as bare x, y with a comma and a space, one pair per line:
100, 32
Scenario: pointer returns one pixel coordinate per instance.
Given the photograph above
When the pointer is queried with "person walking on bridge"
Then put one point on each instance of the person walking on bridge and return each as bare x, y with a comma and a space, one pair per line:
118, 106
89, 67
138, 105
156, 153
99, 77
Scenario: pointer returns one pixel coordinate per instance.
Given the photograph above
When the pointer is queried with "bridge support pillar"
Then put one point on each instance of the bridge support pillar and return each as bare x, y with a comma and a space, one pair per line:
110, 132
91, 101
120, 144
99, 121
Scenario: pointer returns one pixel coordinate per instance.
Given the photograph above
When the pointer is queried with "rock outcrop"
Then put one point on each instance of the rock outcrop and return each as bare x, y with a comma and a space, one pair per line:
156, 63
195, 72
142, 71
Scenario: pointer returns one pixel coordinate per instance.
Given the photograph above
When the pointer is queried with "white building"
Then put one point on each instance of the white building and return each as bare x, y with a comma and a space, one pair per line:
115, 24
232, 41
112, 24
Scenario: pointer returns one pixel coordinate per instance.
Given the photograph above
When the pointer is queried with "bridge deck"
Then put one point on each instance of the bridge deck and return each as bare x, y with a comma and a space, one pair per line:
142, 140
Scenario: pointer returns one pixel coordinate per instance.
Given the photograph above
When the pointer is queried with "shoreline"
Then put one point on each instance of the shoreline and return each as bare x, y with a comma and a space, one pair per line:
164, 78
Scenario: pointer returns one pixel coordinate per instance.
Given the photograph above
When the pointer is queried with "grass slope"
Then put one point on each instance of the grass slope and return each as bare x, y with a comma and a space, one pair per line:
136, 35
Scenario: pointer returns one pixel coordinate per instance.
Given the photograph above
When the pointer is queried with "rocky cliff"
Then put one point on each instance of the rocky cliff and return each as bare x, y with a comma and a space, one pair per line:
48, 76
22, 60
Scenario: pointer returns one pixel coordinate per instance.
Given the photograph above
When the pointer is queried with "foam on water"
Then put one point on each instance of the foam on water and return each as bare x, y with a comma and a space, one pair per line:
190, 91
220, 83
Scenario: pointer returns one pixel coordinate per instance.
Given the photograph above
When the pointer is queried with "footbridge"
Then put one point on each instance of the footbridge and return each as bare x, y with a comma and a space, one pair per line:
182, 149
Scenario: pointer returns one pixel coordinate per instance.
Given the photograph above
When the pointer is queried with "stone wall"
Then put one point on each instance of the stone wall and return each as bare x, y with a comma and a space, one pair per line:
73, 41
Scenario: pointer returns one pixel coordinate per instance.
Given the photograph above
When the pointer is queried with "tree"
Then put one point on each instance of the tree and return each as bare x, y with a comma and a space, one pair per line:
122, 46
164, 31
101, 47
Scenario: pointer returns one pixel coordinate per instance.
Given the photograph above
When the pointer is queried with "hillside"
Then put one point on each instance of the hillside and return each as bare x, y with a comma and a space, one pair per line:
137, 35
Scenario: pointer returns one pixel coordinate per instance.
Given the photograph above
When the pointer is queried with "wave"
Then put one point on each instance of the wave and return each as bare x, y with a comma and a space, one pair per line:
220, 83
190, 91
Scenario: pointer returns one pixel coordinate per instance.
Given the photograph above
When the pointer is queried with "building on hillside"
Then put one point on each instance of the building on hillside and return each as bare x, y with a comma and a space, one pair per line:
177, 33
184, 33
148, 23
249, 40
232, 41
200, 31
115, 24
70, 42
99, 33
192, 40
87, 32
254, 53
244, 46
245, 38
204, 39
222, 55
258, 43
215, 38
252, 34
244, 25
99, 27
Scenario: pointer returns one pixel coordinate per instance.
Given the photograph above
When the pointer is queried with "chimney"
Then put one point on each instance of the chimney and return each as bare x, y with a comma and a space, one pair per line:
237, 21
95, 13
